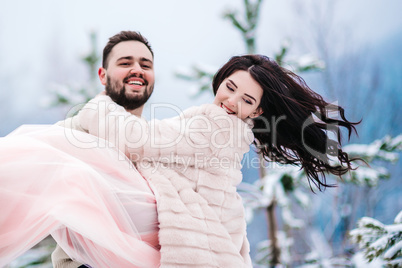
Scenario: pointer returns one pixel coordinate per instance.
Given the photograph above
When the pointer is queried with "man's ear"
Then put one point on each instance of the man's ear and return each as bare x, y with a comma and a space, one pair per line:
102, 75
256, 113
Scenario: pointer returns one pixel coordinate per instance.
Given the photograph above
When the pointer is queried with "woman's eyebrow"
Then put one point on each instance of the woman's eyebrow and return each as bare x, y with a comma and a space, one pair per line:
251, 97
231, 81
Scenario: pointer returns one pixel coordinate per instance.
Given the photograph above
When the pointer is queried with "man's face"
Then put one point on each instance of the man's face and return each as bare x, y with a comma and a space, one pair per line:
129, 77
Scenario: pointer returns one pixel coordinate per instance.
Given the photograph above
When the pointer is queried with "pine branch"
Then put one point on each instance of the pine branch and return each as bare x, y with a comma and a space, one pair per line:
379, 240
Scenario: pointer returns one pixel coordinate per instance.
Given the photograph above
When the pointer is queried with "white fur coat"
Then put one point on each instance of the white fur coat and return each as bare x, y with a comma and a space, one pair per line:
193, 163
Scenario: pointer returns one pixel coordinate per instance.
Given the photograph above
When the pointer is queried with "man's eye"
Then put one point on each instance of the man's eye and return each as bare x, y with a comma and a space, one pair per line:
146, 66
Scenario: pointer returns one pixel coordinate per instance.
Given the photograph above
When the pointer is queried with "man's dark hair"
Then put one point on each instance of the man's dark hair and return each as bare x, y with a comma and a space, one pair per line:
121, 37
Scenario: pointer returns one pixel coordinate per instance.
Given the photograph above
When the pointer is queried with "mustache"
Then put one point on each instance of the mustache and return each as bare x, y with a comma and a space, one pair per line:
135, 76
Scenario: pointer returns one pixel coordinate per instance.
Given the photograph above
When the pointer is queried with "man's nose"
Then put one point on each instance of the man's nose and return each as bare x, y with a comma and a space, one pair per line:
136, 69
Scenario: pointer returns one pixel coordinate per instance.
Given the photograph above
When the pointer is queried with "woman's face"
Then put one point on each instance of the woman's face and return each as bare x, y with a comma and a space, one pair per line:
240, 95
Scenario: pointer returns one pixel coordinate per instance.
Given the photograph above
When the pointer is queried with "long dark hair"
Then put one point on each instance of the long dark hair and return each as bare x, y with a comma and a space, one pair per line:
295, 126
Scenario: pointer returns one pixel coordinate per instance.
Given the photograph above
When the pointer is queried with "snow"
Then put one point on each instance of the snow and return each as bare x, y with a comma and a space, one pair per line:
73, 94
380, 244
264, 251
397, 142
310, 60
361, 149
302, 198
252, 199
379, 149
320, 244
392, 251
361, 262
367, 221
394, 228
368, 175
285, 243
385, 149
398, 218
377, 239
290, 220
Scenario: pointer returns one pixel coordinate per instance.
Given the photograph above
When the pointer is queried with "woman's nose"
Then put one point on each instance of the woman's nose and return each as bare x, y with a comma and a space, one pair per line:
232, 101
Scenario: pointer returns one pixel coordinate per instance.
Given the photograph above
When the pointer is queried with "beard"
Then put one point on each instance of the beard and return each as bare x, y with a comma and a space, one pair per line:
128, 102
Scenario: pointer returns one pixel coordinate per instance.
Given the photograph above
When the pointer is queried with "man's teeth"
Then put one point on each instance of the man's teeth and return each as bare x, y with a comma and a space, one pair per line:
138, 83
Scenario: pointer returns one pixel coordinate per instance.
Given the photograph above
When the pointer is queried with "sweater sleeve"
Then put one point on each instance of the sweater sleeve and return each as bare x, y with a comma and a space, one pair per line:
71, 123
105, 119
177, 139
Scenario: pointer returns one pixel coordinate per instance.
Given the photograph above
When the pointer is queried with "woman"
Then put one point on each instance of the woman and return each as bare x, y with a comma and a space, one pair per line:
193, 162
252, 89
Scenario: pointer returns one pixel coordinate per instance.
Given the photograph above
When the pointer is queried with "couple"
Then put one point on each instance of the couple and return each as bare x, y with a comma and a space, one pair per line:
104, 212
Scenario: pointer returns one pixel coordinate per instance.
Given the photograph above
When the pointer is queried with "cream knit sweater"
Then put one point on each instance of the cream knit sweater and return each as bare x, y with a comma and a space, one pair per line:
193, 162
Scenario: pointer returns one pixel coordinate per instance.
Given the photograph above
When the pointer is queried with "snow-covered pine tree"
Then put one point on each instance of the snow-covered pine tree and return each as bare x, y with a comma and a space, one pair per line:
383, 150
73, 94
286, 185
378, 240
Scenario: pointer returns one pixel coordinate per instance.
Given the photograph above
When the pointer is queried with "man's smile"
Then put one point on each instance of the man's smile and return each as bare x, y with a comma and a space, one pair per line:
135, 82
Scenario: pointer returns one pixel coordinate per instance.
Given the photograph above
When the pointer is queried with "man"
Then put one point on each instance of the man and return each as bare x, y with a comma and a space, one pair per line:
127, 73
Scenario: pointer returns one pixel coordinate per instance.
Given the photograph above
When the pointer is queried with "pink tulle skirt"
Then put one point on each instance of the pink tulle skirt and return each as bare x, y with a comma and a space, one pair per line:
92, 200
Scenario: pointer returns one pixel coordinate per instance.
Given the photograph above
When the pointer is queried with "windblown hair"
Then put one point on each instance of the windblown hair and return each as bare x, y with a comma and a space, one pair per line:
295, 126
121, 37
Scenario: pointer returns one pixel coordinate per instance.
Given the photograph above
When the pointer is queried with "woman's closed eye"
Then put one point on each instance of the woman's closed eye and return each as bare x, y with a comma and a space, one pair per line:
247, 101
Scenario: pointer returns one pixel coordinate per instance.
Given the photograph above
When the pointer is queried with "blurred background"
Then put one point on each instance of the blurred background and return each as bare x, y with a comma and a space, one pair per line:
348, 51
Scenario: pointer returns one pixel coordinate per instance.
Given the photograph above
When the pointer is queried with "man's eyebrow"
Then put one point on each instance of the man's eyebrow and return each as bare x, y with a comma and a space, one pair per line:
125, 58
131, 58
251, 97
146, 59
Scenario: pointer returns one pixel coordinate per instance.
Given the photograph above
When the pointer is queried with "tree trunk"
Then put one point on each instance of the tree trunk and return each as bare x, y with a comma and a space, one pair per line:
272, 223
273, 230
